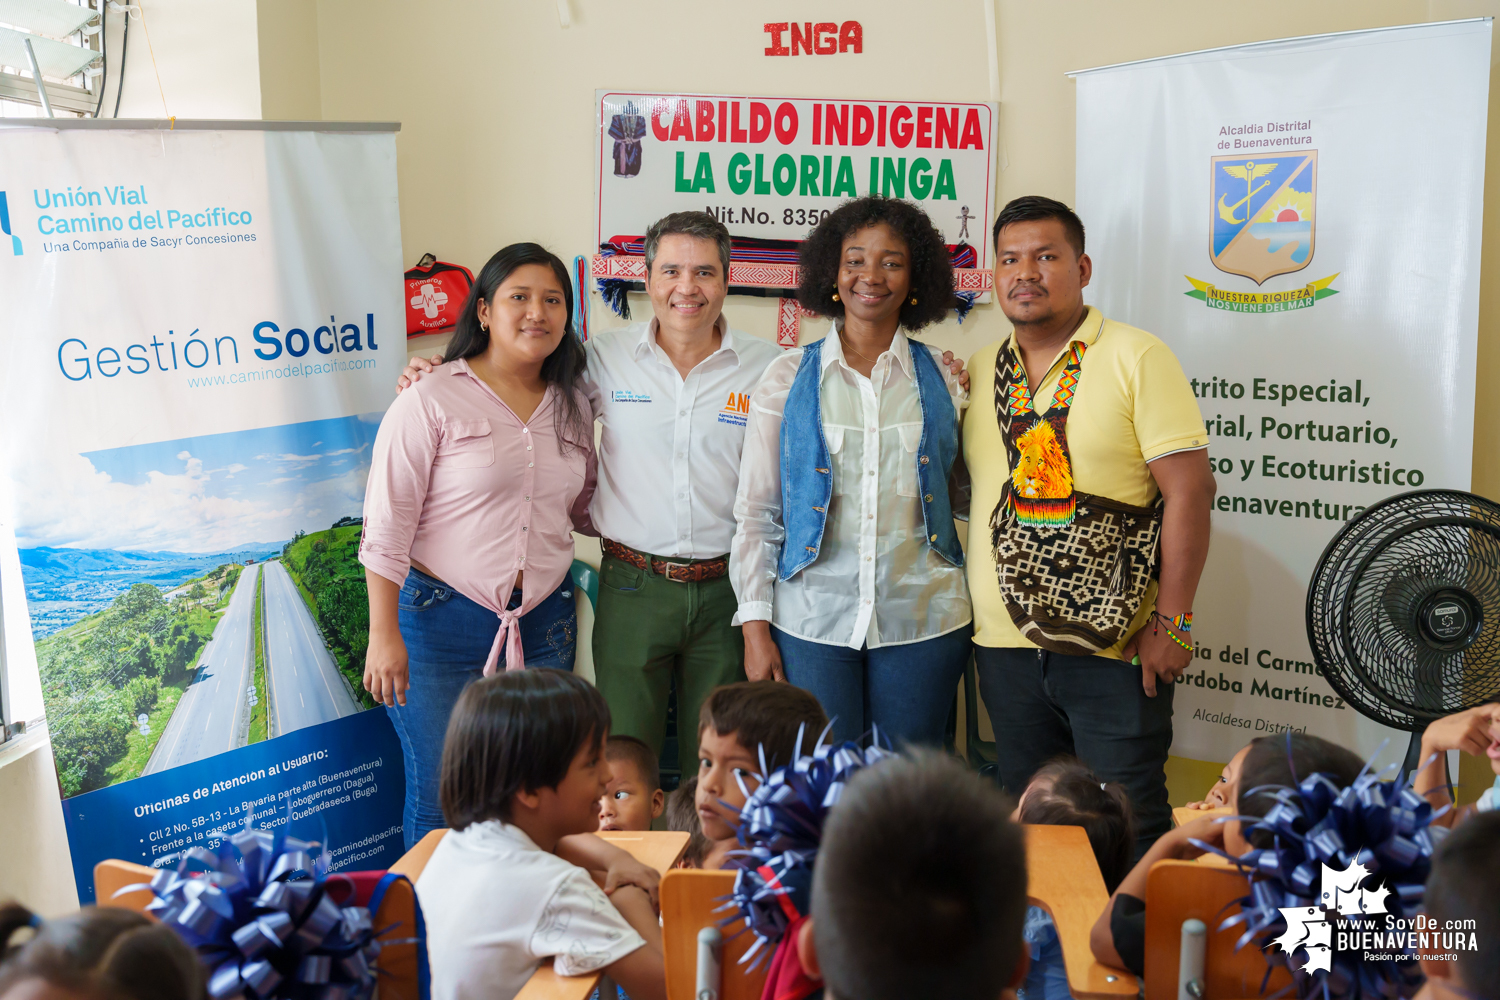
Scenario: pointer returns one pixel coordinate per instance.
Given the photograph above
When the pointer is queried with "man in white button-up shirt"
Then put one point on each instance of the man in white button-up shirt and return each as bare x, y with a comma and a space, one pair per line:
672, 395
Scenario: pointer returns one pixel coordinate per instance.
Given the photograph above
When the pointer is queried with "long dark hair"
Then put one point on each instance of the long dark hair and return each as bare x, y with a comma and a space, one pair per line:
563, 368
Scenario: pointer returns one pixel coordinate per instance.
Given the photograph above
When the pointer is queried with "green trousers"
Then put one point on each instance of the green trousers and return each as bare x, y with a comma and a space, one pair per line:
649, 631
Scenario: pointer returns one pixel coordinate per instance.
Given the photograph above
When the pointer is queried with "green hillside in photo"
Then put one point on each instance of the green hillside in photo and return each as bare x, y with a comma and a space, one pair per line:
134, 658
325, 566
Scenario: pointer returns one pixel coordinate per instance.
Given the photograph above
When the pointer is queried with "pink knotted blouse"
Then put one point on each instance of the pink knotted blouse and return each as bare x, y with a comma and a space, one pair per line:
461, 485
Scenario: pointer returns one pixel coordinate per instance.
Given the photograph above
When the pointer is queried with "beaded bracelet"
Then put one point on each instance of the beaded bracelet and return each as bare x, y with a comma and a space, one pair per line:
1182, 623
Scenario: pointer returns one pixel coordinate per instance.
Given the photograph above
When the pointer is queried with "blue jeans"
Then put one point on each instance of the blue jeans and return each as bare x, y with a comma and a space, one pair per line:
448, 638
907, 690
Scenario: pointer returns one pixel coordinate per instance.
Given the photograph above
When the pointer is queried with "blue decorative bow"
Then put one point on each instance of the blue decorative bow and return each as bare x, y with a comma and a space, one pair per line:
1383, 825
781, 826
259, 914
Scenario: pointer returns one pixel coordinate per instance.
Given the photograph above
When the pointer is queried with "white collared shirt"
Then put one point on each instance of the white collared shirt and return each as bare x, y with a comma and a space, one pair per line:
874, 534
669, 457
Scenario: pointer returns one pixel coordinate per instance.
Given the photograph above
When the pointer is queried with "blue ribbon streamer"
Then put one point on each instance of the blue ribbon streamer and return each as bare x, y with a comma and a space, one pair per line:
780, 828
258, 912
1384, 825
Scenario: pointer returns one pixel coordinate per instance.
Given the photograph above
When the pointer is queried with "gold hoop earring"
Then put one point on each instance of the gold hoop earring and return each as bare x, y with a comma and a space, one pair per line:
913, 300
835, 296
484, 328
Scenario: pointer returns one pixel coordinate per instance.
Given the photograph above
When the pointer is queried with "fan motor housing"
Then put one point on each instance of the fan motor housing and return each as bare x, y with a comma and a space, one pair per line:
1449, 619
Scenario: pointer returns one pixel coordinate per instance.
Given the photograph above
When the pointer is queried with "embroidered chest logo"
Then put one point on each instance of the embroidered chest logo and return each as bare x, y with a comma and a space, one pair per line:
736, 409
627, 396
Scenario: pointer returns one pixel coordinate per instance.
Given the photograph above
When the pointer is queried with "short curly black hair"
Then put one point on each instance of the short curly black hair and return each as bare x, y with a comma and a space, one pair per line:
931, 265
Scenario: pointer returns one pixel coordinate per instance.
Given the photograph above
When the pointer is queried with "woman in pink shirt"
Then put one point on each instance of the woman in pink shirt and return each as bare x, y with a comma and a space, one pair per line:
481, 473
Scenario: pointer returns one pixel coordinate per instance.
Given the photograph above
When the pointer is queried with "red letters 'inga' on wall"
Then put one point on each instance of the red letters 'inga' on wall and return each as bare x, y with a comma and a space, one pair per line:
808, 38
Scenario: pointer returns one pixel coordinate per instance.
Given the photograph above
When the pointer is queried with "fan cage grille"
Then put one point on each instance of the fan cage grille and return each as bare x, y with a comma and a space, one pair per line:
1364, 598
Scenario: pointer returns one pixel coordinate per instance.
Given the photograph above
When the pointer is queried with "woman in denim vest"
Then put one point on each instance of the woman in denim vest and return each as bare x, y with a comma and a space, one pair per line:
845, 559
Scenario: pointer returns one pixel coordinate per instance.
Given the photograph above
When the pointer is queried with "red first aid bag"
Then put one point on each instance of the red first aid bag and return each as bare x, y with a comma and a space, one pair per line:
435, 292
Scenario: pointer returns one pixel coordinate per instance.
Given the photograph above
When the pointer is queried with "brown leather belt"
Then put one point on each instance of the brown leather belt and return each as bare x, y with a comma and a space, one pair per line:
677, 572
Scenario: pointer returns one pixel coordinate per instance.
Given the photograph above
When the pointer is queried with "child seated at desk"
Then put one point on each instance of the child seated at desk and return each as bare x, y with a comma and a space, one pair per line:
682, 816
1065, 792
1119, 936
633, 797
523, 770
1222, 792
739, 726
919, 889
1461, 892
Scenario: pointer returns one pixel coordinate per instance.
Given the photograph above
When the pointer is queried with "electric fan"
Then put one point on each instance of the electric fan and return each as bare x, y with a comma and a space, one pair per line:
1403, 610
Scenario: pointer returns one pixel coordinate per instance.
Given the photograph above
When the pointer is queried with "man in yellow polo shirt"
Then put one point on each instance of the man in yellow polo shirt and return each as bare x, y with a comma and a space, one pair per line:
1130, 429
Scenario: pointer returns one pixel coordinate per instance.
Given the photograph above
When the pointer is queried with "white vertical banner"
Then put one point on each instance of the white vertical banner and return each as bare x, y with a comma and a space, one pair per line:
203, 325
1300, 221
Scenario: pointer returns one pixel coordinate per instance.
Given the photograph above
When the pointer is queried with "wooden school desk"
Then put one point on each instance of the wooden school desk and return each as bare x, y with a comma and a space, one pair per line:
1182, 816
1063, 878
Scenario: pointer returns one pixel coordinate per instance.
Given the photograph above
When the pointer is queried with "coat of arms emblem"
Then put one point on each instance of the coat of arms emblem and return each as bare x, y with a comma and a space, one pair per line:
1262, 213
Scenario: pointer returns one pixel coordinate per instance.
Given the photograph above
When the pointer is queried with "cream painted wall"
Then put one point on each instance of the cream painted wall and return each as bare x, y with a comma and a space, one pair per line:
35, 868
187, 59
287, 31
496, 103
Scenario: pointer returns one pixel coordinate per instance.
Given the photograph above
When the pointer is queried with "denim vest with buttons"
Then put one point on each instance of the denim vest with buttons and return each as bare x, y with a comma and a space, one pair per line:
807, 468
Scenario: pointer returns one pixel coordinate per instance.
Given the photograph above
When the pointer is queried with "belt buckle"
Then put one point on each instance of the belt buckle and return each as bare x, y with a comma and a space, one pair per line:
667, 568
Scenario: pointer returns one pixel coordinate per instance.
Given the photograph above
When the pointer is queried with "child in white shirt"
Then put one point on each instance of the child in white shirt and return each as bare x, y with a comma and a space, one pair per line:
523, 769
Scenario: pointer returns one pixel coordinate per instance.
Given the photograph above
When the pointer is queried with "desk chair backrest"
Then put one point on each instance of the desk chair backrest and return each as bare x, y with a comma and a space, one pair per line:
413, 861
1178, 890
397, 911
689, 901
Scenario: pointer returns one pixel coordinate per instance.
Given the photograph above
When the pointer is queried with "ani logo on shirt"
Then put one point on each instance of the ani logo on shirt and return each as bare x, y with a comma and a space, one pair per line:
736, 409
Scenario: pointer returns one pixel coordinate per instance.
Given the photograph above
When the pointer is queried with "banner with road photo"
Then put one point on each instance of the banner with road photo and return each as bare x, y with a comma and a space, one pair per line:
219, 323
1300, 222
